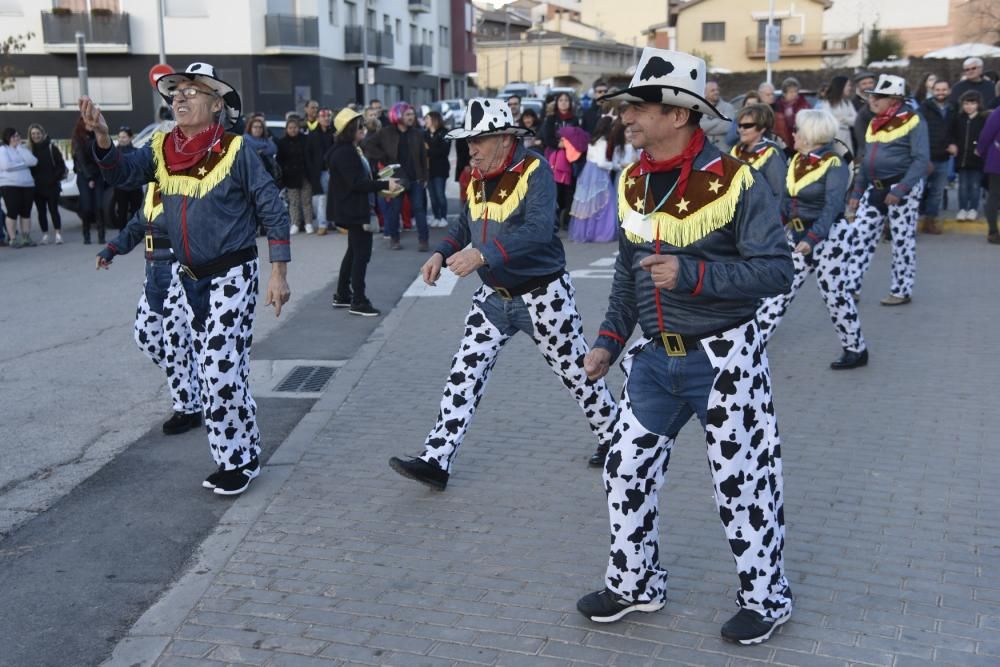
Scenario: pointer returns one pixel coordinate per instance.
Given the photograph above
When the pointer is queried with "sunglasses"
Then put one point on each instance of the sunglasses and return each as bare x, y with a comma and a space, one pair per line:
746, 126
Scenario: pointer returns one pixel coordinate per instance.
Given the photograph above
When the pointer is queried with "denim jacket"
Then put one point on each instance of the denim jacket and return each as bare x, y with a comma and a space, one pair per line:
726, 232
901, 149
510, 217
136, 231
814, 193
211, 209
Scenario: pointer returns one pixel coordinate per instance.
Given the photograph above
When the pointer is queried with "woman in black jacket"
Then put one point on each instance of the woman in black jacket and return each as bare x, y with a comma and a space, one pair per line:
351, 204
48, 175
963, 136
438, 151
292, 160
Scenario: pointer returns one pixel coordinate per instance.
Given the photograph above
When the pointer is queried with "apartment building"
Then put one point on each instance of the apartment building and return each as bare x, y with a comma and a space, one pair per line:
277, 53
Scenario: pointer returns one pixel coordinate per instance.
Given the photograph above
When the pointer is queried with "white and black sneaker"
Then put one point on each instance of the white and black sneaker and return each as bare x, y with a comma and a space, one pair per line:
605, 606
341, 302
364, 310
748, 627
213, 479
234, 482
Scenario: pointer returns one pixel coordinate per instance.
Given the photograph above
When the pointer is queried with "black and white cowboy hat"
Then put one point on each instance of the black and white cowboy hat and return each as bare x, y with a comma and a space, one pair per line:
888, 85
204, 74
668, 77
487, 116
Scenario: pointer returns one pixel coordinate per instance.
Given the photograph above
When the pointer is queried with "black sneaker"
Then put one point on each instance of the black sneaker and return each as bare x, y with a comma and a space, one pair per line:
596, 459
364, 310
181, 422
212, 480
748, 627
422, 471
234, 482
604, 606
341, 302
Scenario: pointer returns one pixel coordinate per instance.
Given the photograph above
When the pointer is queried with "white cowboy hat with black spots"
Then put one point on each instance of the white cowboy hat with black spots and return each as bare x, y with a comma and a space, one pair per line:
204, 74
668, 77
888, 85
486, 116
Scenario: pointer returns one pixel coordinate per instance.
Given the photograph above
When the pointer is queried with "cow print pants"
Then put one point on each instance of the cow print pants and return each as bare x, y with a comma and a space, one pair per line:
221, 313
830, 260
549, 315
903, 226
727, 384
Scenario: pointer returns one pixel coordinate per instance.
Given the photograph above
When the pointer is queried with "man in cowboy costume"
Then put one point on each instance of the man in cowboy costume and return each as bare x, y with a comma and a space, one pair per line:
515, 248
889, 184
210, 195
700, 243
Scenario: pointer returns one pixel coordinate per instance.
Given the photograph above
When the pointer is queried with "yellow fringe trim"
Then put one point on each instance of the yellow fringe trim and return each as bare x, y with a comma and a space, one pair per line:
758, 160
885, 136
149, 210
499, 212
171, 184
794, 187
681, 232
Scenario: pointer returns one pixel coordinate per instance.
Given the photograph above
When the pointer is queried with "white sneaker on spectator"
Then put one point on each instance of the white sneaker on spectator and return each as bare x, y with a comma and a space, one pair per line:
960, 215
58, 238
972, 214
309, 228
293, 230
45, 239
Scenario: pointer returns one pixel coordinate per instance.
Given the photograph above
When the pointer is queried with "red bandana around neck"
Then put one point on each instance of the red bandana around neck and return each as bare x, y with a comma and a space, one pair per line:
685, 160
181, 152
881, 120
566, 115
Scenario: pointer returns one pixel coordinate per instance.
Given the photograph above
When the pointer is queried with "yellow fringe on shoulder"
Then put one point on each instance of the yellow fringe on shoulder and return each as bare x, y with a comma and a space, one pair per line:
149, 210
794, 187
885, 136
499, 212
171, 184
681, 232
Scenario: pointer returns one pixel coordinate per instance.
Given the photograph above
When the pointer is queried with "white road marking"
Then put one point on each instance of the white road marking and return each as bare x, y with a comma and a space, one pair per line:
445, 285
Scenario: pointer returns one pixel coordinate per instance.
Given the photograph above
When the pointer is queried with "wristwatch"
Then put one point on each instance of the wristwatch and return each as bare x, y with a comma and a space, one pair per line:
482, 258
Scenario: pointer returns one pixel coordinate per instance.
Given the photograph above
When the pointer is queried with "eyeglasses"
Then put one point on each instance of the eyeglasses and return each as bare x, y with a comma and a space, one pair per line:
970, 69
188, 93
746, 126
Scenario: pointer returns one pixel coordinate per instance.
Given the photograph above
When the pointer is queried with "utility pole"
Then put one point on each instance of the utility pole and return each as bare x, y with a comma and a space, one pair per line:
364, 59
768, 36
157, 100
81, 63
506, 47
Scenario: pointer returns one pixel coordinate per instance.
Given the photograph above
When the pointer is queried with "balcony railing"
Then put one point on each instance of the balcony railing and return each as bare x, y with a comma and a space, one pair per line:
420, 5
807, 44
421, 57
100, 27
281, 30
379, 46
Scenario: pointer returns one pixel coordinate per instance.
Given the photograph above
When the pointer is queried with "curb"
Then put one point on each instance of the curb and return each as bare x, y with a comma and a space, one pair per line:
152, 632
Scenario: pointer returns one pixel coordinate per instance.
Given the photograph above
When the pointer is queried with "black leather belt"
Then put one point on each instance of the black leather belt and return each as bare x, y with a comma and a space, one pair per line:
219, 265
508, 293
885, 183
156, 243
799, 225
676, 344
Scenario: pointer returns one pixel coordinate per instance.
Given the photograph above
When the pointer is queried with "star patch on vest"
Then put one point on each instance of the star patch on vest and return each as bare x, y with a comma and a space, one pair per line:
200, 179
506, 196
804, 171
756, 158
898, 126
708, 204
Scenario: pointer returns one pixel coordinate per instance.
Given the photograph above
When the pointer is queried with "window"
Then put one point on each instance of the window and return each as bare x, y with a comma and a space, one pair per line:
331, 11
387, 23
286, 7
327, 77
713, 32
370, 19
19, 93
430, 38
413, 33
443, 34
352, 13
399, 31
185, 8
762, 33
274, 80
9, 8
112, 92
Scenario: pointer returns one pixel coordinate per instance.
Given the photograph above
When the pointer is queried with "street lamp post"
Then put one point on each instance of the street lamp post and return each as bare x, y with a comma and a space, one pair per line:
506, 47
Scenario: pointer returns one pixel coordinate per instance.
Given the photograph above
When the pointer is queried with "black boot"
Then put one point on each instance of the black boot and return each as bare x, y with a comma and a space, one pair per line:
850, 360
422, 471
181, 422
597, 458
86, 233
100, 234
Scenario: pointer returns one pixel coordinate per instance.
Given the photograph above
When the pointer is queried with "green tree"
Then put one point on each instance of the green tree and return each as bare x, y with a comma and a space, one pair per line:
882, 46
14, 44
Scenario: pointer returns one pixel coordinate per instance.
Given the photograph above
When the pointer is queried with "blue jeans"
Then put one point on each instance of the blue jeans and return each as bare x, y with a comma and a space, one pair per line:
439, 203
418, 207
665, 391
970, 190
508, 316
159, 273
934, 190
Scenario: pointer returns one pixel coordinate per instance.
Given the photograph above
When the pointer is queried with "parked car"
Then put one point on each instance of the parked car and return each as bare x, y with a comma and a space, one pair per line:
519, 88
536, 104
453, 111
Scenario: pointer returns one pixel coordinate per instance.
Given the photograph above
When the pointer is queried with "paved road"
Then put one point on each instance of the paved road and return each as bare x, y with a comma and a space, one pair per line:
891, 496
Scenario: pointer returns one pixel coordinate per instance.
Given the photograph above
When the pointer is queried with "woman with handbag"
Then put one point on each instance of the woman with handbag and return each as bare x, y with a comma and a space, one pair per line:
351, 204
48, 175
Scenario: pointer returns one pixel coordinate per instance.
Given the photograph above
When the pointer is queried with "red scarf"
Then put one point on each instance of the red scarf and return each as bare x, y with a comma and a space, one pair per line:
647, 165
881, 120
565, 115
192, 150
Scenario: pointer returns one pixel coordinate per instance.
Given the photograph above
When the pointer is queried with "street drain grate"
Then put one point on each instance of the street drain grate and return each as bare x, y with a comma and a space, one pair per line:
306, 379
